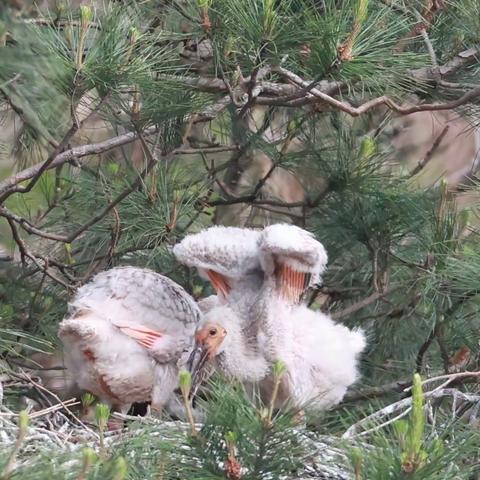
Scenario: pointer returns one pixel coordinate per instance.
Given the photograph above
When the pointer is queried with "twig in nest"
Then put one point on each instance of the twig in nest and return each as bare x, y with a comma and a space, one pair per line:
450, 377
27, 377
354, 430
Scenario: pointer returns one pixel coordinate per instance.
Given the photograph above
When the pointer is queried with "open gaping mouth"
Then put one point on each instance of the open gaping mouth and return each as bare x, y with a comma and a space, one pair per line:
196, 365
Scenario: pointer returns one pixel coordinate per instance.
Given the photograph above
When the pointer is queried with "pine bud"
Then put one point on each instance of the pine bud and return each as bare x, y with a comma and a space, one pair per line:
279, 368
362, 9
463, 220
134, 34
87, 399
263, 412
204, 4
185, 380
229, 45
269, 16
88, 460
357, 461
60, 9
23, 421
231, 438
120, 469
86, 16
418, 416
68, 251
113, 168
443, 186
102, 414
3, 34
268, 5
368, 147
89, 455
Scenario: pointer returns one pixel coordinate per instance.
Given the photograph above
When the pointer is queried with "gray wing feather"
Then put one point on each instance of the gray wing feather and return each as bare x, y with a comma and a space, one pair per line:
230, 251
152, 299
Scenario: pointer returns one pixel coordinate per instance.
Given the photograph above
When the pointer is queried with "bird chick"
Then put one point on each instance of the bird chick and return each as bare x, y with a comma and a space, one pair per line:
321, 357
126, 334
221, 344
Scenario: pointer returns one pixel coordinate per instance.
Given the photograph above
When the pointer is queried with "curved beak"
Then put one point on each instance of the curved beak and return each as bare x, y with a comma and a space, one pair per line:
196, 366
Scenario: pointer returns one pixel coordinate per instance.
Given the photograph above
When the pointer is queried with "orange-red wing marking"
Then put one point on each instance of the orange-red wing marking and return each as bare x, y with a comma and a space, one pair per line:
219, 282
143, 335
106, 388
292, 283
89, 355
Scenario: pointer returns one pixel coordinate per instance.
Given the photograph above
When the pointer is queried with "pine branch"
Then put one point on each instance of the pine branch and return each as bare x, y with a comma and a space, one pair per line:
25, 253
133, 186
404, 405
316, 95
216, 85
8, 185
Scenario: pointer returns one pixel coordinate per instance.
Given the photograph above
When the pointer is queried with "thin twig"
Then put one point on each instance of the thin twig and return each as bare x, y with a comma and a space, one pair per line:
73, 153
430, 49
25, 253
28, 227
353, 430
215, 149
449, 378
52, 157
364, 303
27, 377
420, 166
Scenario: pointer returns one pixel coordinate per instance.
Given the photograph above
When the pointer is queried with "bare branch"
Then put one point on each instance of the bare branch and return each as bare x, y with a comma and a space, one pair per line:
316, 95
449, 378
420, 166
71, 154
51, 158
25, 253
206, 150
397, 386
356, 429
364, 303
28, 227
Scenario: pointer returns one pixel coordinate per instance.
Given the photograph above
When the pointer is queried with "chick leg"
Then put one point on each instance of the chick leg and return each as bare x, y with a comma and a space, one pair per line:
114, 423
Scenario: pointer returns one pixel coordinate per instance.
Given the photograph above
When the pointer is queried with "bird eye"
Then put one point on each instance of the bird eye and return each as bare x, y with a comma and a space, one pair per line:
212, 332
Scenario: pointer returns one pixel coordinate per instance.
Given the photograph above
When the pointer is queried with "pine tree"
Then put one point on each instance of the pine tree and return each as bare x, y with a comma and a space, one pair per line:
129, 124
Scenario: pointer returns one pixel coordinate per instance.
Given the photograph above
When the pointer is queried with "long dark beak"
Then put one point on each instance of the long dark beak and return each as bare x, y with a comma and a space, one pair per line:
196, 366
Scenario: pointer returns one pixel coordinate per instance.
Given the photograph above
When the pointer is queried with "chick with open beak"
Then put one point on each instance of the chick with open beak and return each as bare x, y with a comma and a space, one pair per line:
222, 345
208, 342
